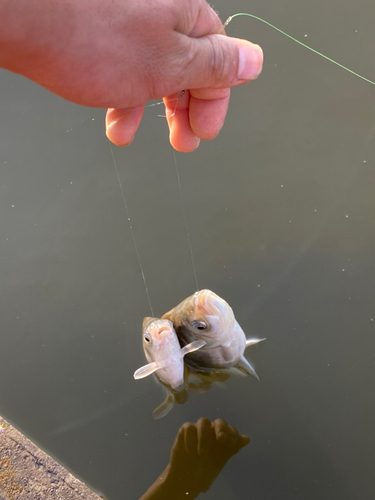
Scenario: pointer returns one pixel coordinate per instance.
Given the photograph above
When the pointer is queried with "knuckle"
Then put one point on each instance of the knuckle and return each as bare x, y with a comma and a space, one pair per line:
223, 61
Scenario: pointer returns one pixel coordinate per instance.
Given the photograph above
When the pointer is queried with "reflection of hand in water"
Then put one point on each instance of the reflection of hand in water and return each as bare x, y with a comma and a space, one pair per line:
199, 453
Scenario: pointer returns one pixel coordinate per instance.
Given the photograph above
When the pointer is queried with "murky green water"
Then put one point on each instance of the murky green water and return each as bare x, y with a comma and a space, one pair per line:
281, 211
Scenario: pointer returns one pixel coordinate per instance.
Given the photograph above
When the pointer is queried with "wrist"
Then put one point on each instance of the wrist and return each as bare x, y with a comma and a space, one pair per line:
180, 483
168, 485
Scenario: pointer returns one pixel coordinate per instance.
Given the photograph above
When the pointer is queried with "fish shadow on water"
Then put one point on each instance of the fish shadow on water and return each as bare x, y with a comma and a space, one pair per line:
195, 381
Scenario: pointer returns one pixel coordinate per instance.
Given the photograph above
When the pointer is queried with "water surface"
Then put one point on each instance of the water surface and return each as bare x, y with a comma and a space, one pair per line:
281, 213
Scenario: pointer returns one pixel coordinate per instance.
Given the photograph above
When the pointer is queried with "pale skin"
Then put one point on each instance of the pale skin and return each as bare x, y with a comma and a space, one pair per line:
119, 54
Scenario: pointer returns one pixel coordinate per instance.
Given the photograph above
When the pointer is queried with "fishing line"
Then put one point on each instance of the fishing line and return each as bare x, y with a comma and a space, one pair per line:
297, 41
162, 102
182, 201
128, 214
174, 154
185, 221
131, 229
182, 93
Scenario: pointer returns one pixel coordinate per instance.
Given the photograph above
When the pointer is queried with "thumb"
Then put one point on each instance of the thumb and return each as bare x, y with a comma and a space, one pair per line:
219, 61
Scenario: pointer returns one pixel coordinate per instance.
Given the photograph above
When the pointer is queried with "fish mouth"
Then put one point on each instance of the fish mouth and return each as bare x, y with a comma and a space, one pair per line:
165, 330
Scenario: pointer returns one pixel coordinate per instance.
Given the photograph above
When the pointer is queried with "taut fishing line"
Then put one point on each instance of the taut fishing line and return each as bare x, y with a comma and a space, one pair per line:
297, 41
128, 213
174, 155
131, 229
185, 221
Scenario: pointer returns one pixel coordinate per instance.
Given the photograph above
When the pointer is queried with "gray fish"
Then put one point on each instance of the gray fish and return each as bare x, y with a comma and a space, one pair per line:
164, 353
206, 316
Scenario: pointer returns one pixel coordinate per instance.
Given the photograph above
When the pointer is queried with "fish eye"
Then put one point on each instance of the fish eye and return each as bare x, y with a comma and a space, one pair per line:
199, 325
147, 337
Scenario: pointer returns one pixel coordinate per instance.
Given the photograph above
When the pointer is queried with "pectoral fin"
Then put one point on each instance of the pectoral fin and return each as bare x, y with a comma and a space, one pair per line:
194, 346
245, 367
250, 342
145, 371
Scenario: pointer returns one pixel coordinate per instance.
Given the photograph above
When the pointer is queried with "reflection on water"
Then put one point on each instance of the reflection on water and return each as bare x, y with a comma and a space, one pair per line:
195, 381
198, 455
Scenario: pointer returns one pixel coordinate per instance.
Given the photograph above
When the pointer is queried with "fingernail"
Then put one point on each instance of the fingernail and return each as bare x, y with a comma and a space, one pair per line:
250, 61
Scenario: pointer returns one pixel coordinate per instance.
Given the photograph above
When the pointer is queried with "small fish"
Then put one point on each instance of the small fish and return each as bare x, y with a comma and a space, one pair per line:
206, 316
164, 353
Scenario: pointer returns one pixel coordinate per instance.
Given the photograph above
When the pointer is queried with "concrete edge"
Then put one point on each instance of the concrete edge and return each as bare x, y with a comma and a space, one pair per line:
28, 473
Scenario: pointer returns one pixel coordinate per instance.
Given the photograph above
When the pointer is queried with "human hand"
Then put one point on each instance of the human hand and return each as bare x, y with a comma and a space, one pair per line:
187, 51
119, 54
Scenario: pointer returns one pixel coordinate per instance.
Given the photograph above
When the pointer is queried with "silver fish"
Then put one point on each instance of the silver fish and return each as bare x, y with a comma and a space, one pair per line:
206, 316
164, 353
